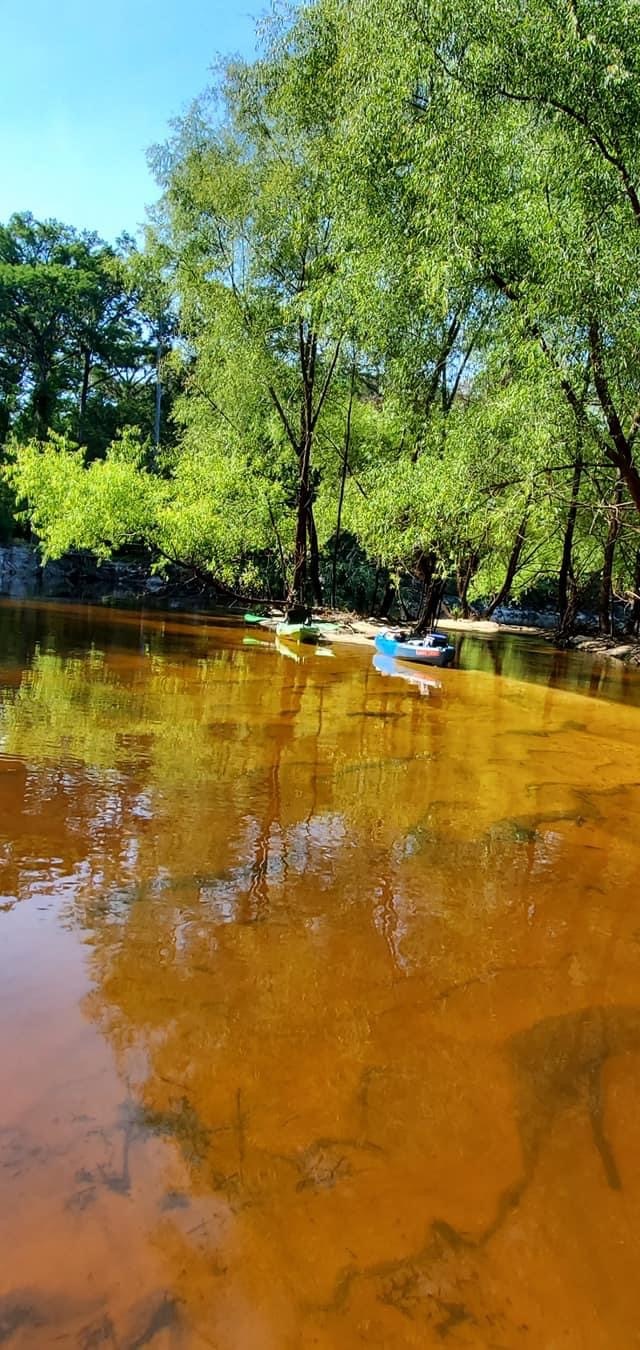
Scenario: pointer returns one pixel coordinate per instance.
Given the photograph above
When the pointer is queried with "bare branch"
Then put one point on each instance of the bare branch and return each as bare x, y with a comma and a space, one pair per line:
325, 388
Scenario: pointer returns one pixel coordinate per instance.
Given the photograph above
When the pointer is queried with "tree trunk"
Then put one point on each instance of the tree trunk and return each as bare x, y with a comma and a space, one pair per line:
336, 542
42, 399
567, 546
402, 606
432, 592
374, 590
298, 581
158, 406
314, 557
567, 589
632, 480
567, 622
387, 599
633, 622
512, 568
465, 572
42, 404
308, 351
302, 444
84, 390
343, 482
605, 609
620, 452
619, 448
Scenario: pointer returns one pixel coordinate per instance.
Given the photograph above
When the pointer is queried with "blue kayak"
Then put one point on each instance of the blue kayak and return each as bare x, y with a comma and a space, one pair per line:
432, 650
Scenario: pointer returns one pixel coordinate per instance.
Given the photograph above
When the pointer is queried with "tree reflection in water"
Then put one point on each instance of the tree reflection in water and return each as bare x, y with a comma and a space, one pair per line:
369, 988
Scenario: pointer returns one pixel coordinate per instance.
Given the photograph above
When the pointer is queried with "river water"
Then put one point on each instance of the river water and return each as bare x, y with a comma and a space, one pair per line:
319, 993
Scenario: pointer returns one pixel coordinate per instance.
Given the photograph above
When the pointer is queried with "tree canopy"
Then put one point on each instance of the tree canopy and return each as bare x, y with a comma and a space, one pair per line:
391, 289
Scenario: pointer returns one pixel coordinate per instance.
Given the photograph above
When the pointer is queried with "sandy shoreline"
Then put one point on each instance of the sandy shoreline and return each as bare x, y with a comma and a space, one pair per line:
361, 632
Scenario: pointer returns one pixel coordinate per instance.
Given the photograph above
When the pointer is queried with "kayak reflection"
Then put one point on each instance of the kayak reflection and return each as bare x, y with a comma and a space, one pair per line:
427, 683
297, 652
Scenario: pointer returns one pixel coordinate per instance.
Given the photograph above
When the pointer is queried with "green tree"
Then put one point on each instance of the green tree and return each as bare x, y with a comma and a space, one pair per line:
76, 352
249, 223
518, 128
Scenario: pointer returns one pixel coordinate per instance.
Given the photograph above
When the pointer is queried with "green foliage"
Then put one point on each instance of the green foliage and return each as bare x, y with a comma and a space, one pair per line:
392, 291
78, 336
204, 514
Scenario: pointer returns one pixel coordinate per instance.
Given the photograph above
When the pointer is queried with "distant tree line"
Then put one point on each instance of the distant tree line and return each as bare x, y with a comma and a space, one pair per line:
389, 311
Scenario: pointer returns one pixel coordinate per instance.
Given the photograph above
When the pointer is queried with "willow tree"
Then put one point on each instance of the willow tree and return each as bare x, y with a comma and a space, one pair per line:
247, 218
518, 126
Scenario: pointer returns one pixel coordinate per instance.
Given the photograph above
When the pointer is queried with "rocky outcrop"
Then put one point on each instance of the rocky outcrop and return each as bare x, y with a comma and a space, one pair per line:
77, 576
20, 571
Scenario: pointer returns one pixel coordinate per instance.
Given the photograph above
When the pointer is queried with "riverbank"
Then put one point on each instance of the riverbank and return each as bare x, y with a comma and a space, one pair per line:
83, 578
598, 644
352, 629
610, 647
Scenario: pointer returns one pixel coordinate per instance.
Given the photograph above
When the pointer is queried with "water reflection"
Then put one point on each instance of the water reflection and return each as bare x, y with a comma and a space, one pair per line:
532, 658
317, 1027
425, 682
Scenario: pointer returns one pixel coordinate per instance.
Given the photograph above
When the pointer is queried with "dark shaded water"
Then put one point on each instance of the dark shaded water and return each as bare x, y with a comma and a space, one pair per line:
319, 995
521, 657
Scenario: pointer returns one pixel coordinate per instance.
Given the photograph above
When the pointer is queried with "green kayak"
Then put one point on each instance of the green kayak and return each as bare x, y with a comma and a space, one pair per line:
298, 632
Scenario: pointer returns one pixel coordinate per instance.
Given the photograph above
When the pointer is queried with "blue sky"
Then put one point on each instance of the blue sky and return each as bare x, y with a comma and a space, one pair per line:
86, 89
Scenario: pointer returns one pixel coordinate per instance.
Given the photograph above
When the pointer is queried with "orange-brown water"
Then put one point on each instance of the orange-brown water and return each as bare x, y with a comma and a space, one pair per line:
319, 997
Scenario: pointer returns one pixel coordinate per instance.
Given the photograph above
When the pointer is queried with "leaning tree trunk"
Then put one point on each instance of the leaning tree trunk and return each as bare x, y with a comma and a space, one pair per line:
605, 608
512, 567
465, 572
432, 592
